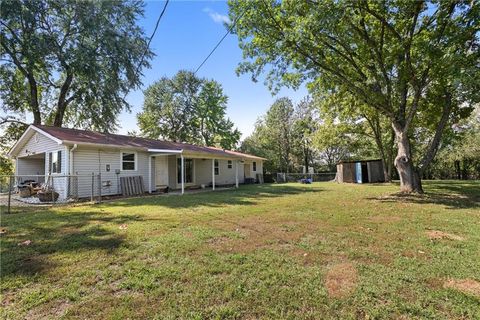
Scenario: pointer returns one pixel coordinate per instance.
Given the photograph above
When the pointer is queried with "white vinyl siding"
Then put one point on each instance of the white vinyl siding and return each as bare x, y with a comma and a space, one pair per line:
38, 143
90, 160
203, 172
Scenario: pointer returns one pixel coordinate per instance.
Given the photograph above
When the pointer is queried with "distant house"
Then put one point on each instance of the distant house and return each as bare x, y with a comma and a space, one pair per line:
43, 151
360, 171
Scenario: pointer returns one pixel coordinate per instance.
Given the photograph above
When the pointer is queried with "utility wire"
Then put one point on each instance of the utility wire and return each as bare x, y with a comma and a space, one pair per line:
219, 42
151, 37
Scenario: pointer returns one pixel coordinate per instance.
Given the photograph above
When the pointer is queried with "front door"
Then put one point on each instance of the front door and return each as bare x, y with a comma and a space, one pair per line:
161, 171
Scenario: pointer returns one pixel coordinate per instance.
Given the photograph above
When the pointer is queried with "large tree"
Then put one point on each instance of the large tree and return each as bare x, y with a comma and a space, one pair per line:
415, 62
186, 108
70, 62
274, 137
362, 124
305, 124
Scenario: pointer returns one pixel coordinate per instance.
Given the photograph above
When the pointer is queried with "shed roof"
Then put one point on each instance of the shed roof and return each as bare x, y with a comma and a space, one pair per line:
354, 161
76, 136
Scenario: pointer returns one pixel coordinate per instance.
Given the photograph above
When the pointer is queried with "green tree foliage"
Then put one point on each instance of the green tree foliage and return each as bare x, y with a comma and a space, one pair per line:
278, 125
358, 122
413, 62
284, 136
459, 154
185, 108
272, 137
305, 124
14, 130
334, 143
70, 62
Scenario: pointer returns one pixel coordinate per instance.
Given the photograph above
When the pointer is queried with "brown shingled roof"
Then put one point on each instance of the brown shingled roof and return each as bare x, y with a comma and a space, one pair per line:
92, 137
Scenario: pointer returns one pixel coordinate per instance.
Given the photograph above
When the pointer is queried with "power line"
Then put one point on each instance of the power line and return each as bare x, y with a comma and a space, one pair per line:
219, 42
151, 37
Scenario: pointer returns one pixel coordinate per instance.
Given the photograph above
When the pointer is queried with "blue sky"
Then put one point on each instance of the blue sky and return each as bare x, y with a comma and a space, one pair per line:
187, 33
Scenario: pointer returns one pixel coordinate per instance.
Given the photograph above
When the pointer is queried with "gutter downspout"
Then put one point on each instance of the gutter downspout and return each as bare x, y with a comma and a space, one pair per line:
70, 169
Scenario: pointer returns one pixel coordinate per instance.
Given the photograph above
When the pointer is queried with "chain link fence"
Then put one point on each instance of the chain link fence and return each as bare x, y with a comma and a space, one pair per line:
283, 177
30, 190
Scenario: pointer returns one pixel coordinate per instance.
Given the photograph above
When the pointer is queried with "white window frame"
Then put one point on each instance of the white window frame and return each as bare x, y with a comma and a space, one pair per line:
135, 161
229, 164
193, 171
50, 161
254, 166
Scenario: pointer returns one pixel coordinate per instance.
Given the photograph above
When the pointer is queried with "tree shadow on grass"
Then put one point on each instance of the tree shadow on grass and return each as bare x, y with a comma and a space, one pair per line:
451, 194
246, 195
53, 231
49, 233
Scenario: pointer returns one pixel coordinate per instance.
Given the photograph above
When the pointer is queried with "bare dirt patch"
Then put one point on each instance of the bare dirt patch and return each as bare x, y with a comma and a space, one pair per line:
440, 235
468, 286
53, 310
260, 233
341, 280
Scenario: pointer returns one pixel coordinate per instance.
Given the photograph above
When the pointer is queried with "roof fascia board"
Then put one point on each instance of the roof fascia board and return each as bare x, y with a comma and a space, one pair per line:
104, 145
170, 151
206, 155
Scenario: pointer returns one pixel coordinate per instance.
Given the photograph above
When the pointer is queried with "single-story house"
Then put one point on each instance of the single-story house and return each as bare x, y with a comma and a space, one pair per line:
46, 151
360, 171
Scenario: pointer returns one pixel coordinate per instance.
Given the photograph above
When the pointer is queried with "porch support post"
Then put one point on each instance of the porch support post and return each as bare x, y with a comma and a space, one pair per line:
236, 173
149, 174
182, 167
213, 174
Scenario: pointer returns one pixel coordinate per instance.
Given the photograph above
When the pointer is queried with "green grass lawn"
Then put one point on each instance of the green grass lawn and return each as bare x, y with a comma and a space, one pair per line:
291, 251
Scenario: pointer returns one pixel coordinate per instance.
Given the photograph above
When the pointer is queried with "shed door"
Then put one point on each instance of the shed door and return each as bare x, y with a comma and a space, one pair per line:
358, 172
161, 171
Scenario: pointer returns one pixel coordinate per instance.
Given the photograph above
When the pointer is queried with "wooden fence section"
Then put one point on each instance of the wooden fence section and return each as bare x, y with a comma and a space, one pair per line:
132, 185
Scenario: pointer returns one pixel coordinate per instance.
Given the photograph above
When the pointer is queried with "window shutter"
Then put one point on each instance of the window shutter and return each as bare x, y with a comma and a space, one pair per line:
59, 162
49, 162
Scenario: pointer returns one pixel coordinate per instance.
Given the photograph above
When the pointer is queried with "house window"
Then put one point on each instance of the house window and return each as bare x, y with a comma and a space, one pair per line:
55, 162
188, 170
229, 164
128, 161
216, 168
254, 166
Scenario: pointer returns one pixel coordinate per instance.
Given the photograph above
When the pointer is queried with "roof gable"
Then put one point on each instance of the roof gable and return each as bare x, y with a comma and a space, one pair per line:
27, 137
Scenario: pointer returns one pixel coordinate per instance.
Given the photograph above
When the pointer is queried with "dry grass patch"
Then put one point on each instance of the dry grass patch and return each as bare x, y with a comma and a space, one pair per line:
260, 232
468, 286
341, 280
385, 219
440, 235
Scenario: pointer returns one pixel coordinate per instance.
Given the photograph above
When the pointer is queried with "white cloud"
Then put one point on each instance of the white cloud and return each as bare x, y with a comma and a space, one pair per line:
217, 17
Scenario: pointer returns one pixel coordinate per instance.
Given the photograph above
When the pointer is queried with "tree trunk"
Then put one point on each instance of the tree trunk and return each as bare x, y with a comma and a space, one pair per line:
457, 169
306, 159
62, 101
409, 177
37, 117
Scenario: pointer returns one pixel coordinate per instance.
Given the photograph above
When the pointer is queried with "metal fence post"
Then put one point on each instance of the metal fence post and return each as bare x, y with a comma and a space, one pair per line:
99, 188
10, 186
93, 181
53, 190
